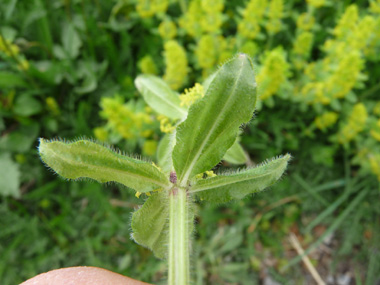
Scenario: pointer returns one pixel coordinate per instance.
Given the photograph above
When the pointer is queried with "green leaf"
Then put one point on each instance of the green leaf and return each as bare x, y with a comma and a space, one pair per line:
235, 154
25, 105
164, 152
84, 158
213, 122
150, 224
9, 176
223, 188
158, 95
20, 140
70, 40
11, 80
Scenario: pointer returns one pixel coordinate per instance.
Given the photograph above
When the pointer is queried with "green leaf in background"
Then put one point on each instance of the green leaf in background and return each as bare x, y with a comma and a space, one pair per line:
9, 176
164, 152
235, 154
158, 95
86, 159
70, 40
150, 224
11, 80
213, 122
223, 188
20, 140
26, 105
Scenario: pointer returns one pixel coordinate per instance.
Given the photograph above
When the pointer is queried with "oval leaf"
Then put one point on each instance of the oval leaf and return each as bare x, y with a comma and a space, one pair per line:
223, 188
158, 95
150, 224
84, 158
212, 124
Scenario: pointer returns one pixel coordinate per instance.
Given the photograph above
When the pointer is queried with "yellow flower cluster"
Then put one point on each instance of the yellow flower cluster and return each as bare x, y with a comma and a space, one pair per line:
149, 8
340, 71
206, 174
176, 64
343, 79
275, 14
355, 124
124, 120
273, 73
253, 15
316, 3
191, 95
374, 161
375, 131
212, 50
202, 16
167, 30
347, 22
305, 22
147, 65
166, 125
326, 120
375, 6
301, 49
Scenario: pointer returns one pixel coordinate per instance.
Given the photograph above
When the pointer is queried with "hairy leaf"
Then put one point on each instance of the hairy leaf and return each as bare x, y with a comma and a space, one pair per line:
235, 154
158, 95
223, 188
213, 122
164, 152
84, 158
150, 224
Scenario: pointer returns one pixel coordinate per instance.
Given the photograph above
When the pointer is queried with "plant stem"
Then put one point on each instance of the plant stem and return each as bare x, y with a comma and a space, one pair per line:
179, 273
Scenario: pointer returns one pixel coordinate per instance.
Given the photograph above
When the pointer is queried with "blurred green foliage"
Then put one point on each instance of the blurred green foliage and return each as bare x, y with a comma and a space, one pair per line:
67, 69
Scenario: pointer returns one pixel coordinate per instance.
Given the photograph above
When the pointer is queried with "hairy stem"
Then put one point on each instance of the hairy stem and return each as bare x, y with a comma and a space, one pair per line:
179, 273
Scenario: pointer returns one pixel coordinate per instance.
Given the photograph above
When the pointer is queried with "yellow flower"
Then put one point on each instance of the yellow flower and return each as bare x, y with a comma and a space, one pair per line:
374, 161
101, 134
375, 6
167, 30
165, 125
375, 132
191, 20
191, 95
305, 22
316, 3
347, 22
303, 44
273, 73
253, 14
206, 51
276, 13
149, 8
176, 64
147, 65
355, 124
326, 120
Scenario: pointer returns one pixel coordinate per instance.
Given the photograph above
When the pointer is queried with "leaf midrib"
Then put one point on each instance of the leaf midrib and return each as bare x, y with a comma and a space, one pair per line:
123, 172
232, 181
216, 123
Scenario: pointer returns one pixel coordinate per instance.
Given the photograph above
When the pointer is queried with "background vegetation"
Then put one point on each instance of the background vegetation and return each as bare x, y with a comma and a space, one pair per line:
67, 70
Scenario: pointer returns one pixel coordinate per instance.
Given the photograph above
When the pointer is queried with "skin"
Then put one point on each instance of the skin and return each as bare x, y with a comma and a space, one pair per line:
81, 275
